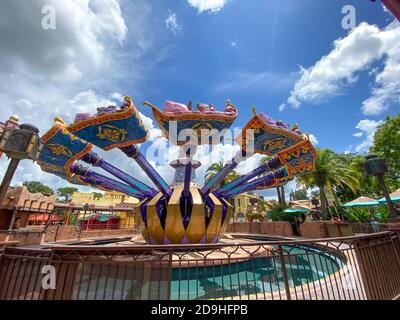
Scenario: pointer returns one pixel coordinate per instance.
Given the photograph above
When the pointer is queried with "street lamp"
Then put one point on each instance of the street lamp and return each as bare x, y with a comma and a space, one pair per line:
85, 208
377, 167
18, 143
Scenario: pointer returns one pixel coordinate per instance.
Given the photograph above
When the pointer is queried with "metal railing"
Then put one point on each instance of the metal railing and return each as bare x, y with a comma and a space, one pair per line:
350, 268
369, 227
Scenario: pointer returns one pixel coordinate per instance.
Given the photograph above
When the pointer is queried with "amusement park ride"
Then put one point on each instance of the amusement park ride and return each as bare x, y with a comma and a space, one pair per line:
183, 212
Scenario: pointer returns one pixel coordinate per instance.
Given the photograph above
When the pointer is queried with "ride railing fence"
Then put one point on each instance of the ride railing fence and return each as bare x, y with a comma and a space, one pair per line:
351, 268
369, 227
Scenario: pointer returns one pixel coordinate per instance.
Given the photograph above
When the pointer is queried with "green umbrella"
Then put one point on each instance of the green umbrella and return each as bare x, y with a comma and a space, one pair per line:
362, 202
296, 210
107, 217
395, 197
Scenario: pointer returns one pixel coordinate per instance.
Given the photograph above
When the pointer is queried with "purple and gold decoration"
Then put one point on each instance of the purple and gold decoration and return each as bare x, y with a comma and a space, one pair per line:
268, 136
262, 135
120, 128
183, 212
60, 172
204, 125
111, 127
61, 148
186, 217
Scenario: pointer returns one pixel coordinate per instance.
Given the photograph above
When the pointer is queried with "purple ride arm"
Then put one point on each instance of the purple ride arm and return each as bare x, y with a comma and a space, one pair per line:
220, 176
103, 185
268, 179
100, 180
272, 164
95, 160
188, 176
134, 152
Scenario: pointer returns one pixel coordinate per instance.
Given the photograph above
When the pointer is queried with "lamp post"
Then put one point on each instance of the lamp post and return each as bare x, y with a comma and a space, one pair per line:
85, 208
377, 167
18, 143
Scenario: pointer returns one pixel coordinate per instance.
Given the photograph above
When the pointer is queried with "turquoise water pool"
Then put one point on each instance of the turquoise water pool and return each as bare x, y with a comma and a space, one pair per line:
243, 278
263, 274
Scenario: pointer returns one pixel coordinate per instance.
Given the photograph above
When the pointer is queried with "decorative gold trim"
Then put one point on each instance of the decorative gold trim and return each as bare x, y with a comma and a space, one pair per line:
60, 125
197, 225
214, 226
306, 144
128, 112
174, 229
67, 166
154, 227
259, 122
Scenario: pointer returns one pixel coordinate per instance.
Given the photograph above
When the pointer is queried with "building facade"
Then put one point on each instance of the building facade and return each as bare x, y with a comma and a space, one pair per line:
112, 200
241, 205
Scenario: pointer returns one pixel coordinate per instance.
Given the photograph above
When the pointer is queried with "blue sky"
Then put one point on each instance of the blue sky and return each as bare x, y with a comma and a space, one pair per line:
272, 39
250, 51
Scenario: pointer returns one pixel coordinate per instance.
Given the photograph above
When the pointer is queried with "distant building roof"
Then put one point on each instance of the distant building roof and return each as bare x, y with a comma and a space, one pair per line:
23, 200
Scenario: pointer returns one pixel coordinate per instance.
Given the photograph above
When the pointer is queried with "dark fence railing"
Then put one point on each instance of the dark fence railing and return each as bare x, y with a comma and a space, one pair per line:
370, 227
351, 268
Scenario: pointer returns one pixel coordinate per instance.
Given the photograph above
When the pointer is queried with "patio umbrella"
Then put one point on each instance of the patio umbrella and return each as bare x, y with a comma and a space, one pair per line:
395, 196
296, 210
362, 202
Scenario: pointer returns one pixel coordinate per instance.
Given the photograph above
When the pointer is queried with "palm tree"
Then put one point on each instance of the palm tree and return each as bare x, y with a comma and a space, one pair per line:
331, 172
214, 169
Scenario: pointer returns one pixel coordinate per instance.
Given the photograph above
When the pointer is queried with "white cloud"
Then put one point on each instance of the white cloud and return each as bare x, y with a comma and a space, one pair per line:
40, 69
339, 69
266, 81
208, 5
386, 90
367, 128
63, 54
172, 22
313, 139
282, 107
117, 96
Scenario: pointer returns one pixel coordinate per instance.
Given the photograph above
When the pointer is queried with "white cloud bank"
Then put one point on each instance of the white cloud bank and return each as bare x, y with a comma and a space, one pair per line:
367, 129
208, 5
49, 73
338, 70
74, 47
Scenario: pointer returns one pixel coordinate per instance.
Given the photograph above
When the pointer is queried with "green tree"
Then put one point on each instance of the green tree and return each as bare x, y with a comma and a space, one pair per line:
331, 171
214, 169
66, 193
97, 195
357, 215
300, 194
387, 145
38, 187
